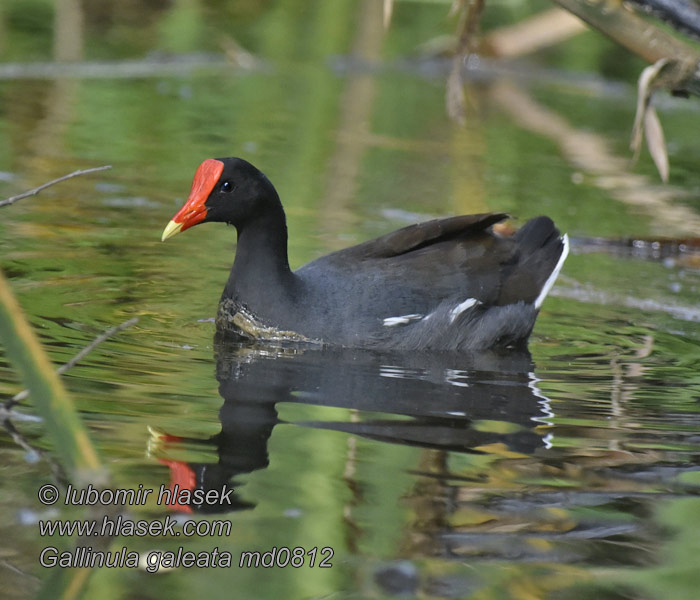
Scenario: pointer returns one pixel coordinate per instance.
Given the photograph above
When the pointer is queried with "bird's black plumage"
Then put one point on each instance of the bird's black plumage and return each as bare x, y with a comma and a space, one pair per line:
446, 284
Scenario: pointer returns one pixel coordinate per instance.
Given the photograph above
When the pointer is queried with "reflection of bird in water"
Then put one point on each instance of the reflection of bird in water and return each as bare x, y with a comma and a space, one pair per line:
443, 395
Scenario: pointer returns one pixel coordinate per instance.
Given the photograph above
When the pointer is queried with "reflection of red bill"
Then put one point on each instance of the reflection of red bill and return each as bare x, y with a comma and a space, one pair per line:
182, 477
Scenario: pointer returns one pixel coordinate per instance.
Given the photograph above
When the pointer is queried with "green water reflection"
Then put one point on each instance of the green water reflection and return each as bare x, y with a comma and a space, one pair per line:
585, 486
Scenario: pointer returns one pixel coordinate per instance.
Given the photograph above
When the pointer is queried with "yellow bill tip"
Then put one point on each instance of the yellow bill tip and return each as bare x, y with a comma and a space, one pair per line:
170, 230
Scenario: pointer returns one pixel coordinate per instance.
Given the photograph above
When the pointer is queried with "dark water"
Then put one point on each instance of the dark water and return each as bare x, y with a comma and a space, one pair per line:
569, 472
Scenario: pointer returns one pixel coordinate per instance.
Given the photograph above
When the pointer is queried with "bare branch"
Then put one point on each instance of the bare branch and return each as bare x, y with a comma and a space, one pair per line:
57, 470
646, 40
470, 18
36, 190
77, 358
541, 30
681, 14
10, 567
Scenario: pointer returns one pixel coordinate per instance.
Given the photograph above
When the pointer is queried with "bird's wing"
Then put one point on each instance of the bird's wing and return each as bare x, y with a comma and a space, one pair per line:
415, 237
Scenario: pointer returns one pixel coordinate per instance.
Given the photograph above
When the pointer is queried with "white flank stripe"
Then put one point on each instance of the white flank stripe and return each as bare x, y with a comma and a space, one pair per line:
555, 273
403, 320
452, 376
461, 307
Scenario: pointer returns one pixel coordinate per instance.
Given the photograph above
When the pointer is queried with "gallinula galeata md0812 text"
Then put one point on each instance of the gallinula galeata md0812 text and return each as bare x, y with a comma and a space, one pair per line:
446, 284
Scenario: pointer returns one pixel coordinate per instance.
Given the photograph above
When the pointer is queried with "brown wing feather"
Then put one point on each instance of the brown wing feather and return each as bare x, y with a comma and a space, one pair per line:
418, 236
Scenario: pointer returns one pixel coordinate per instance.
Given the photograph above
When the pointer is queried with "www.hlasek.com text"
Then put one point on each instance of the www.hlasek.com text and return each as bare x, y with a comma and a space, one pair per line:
121, 526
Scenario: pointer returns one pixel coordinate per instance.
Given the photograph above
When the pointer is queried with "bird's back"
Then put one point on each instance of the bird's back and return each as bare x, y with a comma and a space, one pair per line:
449, 284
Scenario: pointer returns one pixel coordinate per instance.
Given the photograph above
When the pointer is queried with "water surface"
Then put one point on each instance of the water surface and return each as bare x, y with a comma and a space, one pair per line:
568, 472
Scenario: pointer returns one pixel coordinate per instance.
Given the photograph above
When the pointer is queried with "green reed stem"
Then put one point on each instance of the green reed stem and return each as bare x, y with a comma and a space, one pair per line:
55, 406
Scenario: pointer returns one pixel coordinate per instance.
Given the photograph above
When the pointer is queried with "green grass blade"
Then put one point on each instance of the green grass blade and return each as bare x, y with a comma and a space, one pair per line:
63, 424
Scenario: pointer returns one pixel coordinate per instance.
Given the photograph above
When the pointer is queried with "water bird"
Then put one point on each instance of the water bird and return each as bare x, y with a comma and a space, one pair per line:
450, 284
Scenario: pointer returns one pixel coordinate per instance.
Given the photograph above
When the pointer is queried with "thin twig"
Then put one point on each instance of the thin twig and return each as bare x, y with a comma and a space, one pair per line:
455, 99
77, 358
36, 190
13, 415
10, 567
96, 342
58, 472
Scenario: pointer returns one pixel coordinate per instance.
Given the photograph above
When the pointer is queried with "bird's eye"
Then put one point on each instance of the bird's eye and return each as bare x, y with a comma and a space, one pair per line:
226, 186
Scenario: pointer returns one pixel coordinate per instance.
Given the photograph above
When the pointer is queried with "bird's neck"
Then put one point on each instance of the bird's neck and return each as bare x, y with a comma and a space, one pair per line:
261, 268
